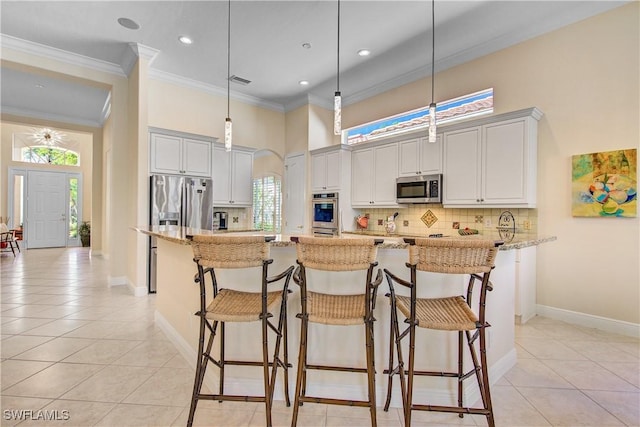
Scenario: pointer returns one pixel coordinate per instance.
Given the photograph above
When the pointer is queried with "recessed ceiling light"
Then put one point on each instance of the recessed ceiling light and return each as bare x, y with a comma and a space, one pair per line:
306, 45
185, 40
40, 86
128, 23
303, 82
364, 52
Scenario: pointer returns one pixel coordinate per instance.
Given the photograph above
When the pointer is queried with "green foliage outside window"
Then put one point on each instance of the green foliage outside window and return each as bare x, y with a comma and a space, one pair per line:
50, 155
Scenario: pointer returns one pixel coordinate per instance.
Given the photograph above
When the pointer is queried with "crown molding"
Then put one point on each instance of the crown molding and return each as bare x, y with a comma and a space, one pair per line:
9, 42
214, 90
135, 51
50, 117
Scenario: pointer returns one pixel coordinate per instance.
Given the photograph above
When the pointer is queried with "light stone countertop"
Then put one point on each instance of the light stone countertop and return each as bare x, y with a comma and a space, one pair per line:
182, 235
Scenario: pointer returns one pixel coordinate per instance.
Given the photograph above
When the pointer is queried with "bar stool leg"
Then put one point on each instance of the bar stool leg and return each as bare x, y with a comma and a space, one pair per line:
460, 370
371, 370
201, 366
484, 387
412, 348
285, 331
265, 369
392, 340
222, 341
302, 367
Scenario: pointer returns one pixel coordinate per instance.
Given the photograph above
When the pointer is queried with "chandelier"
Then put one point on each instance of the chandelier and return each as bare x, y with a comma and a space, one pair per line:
48, 137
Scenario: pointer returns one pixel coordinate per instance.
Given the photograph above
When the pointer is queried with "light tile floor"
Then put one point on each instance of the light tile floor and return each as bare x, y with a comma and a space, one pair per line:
72, 344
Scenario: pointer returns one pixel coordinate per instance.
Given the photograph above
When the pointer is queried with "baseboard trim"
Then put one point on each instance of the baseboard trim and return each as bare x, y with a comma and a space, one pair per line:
590, 321
117, 280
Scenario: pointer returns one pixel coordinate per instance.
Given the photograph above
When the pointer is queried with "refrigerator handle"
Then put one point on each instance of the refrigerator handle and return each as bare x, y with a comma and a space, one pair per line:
186, 195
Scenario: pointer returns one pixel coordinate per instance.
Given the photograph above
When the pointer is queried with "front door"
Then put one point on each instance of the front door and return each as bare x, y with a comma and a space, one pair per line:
46, 209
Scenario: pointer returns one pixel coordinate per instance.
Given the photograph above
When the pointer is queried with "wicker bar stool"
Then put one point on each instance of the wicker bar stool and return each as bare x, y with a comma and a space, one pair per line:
454, 313
336, 255
213, 253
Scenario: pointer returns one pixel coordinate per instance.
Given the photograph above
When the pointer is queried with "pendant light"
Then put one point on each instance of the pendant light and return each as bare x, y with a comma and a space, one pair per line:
432, 106
337, 99
228, 125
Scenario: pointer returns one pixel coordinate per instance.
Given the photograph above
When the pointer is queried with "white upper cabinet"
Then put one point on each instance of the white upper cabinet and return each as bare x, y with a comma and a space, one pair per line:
326, 171
174, 154
232, 177
461, 178
492, 165
331, 171
420, 157
373, 178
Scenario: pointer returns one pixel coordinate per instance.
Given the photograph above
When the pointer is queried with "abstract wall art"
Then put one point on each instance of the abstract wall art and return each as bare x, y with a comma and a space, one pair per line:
604, 184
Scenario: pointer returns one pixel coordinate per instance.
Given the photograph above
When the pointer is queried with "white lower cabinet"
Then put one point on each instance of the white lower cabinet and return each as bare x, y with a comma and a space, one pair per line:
232, 177
373, 176
525, 284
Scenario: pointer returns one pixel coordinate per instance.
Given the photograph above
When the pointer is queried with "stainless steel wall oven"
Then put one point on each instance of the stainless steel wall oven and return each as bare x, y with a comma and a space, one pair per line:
326, 214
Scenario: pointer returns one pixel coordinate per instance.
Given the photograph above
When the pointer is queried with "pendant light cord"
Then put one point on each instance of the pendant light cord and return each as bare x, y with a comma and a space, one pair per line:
338, 50
228, 56
433, 49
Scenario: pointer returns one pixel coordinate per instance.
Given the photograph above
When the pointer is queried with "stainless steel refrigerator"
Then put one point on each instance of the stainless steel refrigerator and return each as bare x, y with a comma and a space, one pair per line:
178, 201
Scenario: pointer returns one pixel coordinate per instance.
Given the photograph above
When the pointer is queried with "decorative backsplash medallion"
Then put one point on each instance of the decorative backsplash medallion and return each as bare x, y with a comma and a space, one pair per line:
429, 218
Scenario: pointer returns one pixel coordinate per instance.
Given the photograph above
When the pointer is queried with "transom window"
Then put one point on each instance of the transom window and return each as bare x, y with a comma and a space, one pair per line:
49, 155
45, 146
459, 108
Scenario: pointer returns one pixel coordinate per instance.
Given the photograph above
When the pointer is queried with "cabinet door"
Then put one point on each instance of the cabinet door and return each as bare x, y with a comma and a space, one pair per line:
385, 172
241, 178
196, 157
166, 154
461, 172
409, 154
361, 177
504, 162
319, 172
431, 156
333, 170
221, 177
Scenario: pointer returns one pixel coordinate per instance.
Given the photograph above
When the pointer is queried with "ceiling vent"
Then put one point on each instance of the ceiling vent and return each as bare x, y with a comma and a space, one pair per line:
239, 80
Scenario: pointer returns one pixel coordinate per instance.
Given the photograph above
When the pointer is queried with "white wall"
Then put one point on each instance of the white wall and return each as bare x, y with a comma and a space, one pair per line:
585, 78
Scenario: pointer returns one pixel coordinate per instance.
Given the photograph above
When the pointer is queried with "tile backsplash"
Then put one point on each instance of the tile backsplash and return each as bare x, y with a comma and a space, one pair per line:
237, 218
415, 219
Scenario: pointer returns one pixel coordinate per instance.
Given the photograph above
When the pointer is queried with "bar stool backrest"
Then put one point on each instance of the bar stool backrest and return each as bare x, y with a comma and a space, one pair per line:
230, 251
331, 254
462, 256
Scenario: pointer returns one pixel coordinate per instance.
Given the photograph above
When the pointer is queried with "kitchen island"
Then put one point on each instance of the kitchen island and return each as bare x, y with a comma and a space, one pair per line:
177, 300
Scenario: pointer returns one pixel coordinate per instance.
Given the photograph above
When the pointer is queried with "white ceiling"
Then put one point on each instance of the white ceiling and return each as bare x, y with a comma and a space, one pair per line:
266, 45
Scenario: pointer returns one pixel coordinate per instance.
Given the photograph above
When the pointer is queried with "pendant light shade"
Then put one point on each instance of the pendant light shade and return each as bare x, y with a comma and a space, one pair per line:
337, 114
228, 134
432, 106
337, 100
228, 128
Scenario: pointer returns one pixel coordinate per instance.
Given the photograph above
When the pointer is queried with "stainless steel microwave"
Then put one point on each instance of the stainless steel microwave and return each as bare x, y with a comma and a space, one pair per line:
419, 189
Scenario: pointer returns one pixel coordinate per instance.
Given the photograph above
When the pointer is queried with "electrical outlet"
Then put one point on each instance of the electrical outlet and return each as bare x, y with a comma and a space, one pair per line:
405, 223
526, 224
487, 222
